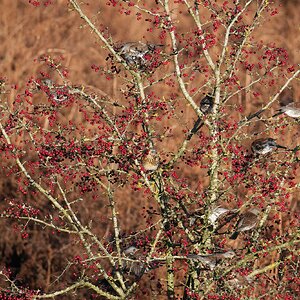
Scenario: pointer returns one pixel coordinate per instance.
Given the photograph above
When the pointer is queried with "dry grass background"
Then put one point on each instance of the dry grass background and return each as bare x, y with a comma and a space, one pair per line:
25, 34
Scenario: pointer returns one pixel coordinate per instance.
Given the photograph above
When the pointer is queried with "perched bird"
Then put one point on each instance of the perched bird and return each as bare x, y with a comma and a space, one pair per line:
238, 35
247, 221
240, 281
47, 82
135, 53
289, 109
221, 215
264, 146
134, 262
216, 214
211, 260
206, 104
151, 161
131, 250
58, 93
134, 265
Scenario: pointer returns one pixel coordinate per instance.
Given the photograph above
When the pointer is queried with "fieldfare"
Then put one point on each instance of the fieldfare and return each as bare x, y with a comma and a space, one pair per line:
211, 260
216, 214
240, 281
59, 93
134, 262
264, 146
151, 161
135, 54
247, 221
290, 110
206, 104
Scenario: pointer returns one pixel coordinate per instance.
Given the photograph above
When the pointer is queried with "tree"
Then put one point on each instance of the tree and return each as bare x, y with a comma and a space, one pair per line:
176, 138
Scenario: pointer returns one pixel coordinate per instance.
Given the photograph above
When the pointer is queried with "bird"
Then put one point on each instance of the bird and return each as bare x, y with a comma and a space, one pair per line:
265, 145
216, 214
211, 260
151, 161
221, 215
240, 281
47, 82
247, 221
135, 53
134, 262
134, 265
290, 109
238, 36
58, 93
206, 104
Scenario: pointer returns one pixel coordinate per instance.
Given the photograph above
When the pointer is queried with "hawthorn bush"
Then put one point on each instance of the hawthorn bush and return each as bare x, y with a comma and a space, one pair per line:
162, 182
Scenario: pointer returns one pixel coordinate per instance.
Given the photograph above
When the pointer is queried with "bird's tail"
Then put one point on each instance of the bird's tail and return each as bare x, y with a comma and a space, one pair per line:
234, 235
280, 112
198, 124
281, 147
